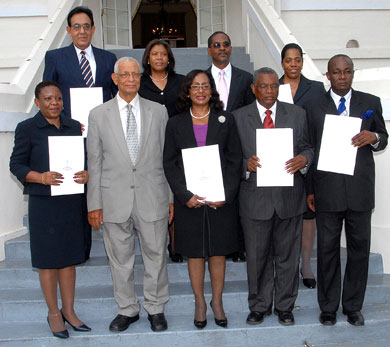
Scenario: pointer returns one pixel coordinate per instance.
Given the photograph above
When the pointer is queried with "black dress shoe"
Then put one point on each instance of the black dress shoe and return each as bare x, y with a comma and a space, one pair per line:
200, 324
175, 257
158, 322
285, 317
238, 257
223, 323
328, 318
256, 317
81, 327
122, 322
355, 318
309, 282
64, 334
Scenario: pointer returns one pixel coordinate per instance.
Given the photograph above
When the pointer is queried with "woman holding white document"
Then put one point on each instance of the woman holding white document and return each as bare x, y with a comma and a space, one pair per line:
56, 223
204, 229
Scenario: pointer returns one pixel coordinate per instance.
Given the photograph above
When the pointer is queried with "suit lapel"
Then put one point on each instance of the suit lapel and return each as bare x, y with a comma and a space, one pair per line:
303, 87
254, 116
355, 107
234, 83
99, 67
146, 121
213, 128
281, 117
73, 66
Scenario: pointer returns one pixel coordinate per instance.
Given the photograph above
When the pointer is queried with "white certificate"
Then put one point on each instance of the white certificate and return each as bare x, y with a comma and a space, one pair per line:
202, 168
274, 147
66, 156
285, 93
337, 153
82, 101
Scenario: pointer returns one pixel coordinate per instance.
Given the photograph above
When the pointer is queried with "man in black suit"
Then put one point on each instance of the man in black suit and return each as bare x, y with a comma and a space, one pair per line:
271, 217
234, 88
338, 198
63, 64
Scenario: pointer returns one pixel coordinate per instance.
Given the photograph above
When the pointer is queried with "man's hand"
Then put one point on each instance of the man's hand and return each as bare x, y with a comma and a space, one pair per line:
194, 202
95, 218
253, 163
310, 202
364, 138
171, 213
295, 164
215, 204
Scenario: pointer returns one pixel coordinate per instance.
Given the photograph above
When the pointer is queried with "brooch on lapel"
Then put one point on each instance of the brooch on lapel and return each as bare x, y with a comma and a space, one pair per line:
367, 114
221, 119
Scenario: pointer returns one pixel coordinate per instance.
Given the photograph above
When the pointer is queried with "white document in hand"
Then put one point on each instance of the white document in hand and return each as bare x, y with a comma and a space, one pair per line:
82, 101
66, 156
285, 93
202, 168
337, 153
274, 147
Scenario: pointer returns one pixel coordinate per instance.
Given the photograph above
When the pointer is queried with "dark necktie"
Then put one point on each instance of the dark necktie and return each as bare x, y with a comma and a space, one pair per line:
341, 107
86, 71
268, 122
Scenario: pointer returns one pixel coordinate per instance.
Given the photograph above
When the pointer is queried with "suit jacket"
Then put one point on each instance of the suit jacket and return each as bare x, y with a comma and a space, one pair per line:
307, 90
114, 182
62, 66
240, 91
336, 192
261, 202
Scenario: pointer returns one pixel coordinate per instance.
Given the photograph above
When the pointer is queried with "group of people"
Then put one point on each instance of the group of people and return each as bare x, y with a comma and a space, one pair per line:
136, 183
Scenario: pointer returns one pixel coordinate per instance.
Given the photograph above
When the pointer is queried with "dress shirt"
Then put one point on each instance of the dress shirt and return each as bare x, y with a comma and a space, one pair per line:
262, 110
91, 59
336, 98
228, 75
122, 104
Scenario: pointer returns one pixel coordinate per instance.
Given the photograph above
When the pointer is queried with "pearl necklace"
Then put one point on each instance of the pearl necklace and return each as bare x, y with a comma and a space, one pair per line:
157, 80
201, 117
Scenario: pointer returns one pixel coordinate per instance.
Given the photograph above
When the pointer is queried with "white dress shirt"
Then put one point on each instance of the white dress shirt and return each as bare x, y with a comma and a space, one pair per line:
228, 75
91, 58
336, 98
122, 104
262, 110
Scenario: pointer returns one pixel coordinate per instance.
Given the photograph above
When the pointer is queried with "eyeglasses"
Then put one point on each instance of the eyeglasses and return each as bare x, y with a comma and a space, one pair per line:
196, 87
226, 44
126, 75
265, 86
85, 26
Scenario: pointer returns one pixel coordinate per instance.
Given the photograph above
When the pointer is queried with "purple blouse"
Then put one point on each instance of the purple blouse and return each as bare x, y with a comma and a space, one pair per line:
200, 134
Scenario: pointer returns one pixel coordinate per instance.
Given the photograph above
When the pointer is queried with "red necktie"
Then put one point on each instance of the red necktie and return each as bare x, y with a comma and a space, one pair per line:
268, 122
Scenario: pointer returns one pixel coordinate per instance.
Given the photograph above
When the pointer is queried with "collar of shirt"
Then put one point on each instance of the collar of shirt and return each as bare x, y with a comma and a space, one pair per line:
91, 58
228, 74
336, 99
122, 105
262, 110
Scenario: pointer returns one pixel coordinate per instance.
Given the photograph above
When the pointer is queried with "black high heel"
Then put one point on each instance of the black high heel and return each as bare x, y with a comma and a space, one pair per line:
64, 334
220, 322
81, 327
175, 257
308, 282
200, 324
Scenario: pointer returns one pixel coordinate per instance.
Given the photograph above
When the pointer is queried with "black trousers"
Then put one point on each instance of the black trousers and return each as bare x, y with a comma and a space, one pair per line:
273, 248
358, 235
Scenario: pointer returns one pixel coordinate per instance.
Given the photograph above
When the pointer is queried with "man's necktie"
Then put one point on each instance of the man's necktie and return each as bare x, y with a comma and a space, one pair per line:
222, 89
131, 135
341, 109
86, 71
268, 122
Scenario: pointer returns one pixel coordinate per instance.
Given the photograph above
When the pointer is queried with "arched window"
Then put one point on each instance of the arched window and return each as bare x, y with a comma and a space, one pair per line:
352, 44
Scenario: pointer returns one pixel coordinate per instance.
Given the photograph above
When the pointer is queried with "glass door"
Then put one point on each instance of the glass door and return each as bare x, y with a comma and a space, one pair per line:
211, 17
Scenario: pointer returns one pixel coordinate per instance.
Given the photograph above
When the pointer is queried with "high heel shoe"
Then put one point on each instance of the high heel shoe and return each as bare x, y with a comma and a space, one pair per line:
64, 334
175, 257
220, 322
81, 327
200, 324
308, 282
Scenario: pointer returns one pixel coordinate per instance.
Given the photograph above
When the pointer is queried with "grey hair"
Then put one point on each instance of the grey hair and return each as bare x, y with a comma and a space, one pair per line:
124, 59
264, 70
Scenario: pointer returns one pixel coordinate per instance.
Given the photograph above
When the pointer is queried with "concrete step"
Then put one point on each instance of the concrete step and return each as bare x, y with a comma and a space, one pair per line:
97, 302
306, 332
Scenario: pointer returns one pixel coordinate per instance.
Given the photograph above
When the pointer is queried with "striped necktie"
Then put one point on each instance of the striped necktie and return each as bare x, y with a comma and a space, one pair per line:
86, 71
132, 135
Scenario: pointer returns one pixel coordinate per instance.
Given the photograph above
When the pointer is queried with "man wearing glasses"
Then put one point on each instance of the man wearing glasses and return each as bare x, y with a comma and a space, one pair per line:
128, 194
80, 65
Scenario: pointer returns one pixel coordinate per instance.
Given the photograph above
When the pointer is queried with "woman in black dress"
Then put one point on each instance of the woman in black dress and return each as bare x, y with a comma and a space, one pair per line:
56, 223
160, 83
204, 229
302, 90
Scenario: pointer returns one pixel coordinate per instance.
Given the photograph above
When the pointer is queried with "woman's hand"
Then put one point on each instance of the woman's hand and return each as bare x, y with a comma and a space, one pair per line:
81, 177
215, 204
51, 178
194, 202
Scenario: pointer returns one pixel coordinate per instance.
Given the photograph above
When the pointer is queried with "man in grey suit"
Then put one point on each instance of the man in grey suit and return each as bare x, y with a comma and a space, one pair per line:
128, 193
271, 217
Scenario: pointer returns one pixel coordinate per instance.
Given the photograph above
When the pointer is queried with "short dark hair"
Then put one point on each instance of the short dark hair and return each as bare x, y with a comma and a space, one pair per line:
266, 71
184, 102
210, 39
145, 59
44, 84
80, 9
340, 56
291, 46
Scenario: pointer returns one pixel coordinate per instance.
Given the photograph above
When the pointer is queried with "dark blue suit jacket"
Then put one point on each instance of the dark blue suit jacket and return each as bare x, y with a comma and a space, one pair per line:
62, 66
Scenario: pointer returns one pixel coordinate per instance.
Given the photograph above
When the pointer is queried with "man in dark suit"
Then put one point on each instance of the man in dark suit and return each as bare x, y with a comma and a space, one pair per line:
271, 217
63, 65
338, 198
